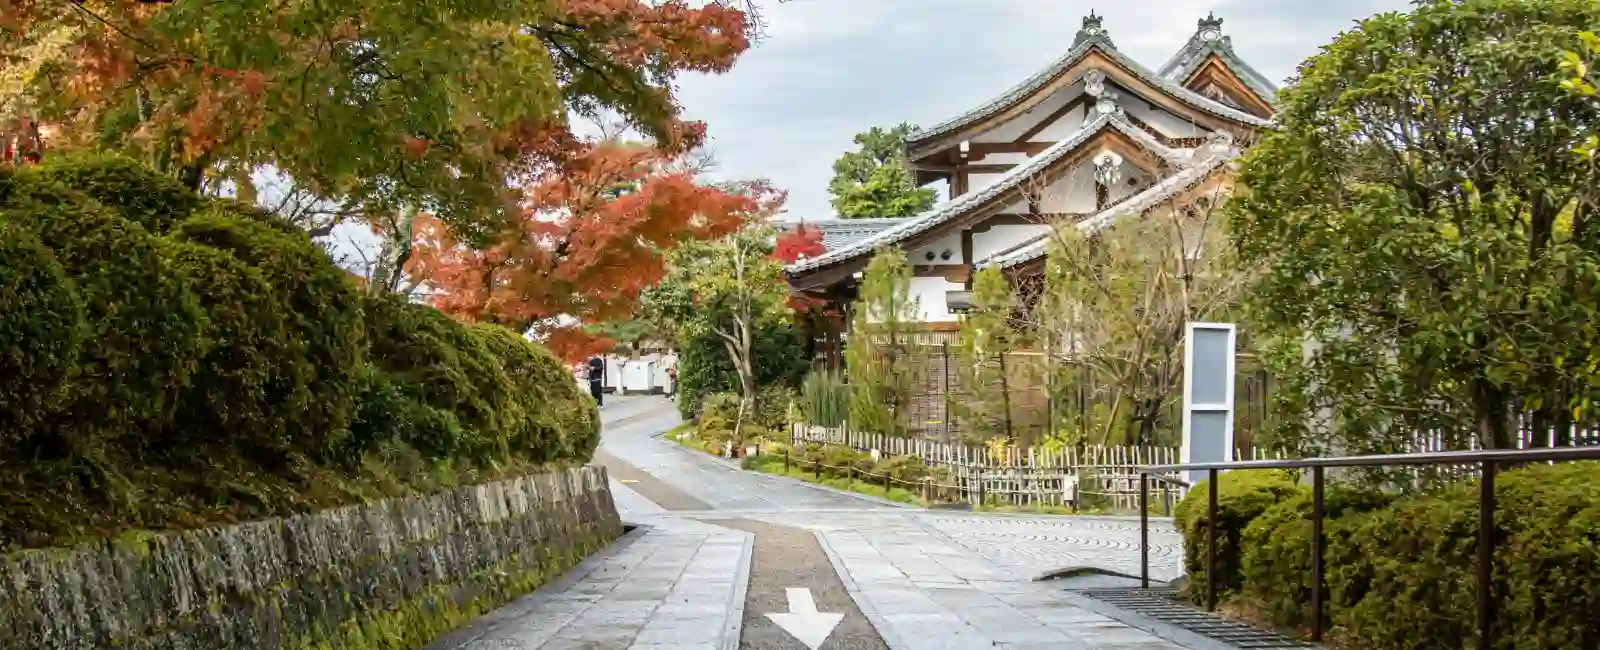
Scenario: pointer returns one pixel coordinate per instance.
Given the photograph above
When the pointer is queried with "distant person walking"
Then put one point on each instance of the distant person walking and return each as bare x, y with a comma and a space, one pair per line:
597, 374
672, 381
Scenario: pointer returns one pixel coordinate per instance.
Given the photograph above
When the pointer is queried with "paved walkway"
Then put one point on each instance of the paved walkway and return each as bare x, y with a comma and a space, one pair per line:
719, 549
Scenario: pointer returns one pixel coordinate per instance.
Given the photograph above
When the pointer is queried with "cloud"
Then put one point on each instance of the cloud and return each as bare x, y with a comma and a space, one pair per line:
828, 69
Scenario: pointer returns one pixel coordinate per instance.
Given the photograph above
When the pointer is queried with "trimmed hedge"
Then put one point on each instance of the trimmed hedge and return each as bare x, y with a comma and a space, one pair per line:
136, 192
318, 380
145, 326
229, 370
41, 331
1242, 497
455, 391
1404, 576
550, 417
1276, 562
229, 402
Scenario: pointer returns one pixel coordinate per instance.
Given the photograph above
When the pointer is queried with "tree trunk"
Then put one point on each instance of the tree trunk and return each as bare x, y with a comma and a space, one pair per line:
1489, 411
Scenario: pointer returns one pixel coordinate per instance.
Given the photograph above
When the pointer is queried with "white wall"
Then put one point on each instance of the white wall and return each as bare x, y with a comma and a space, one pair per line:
1011, 130
930, 298
1073, 192
1172, 125
999, 238
951, 242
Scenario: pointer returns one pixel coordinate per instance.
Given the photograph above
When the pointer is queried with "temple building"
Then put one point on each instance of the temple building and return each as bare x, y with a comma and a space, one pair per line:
1093, 138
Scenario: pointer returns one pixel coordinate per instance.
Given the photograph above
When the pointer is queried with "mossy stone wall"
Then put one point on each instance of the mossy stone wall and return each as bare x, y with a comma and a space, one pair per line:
389, 575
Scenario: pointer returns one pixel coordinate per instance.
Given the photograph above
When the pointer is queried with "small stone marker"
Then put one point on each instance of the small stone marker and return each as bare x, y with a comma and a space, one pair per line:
803, 621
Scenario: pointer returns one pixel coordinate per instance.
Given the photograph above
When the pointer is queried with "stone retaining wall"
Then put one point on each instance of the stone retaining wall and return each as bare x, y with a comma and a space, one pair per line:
390, 575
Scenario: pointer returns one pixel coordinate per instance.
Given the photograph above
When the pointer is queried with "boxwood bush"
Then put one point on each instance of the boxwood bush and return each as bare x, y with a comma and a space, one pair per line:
549, 417
1276, 564
455, 386
1403, 577
136, 192
1242, 497
41, 331
144, 340
318, 385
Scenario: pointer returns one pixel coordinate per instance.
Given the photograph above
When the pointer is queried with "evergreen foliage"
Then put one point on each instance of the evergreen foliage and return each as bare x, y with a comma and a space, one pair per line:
881, 354
875, 181
987, 337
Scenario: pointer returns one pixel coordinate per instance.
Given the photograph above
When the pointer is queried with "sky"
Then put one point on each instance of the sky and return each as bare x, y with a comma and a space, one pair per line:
828, 69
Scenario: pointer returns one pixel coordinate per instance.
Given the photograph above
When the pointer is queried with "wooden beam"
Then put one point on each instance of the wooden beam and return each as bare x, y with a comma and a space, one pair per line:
979, 150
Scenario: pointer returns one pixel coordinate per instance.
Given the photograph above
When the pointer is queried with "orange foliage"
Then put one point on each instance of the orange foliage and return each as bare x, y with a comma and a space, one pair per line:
583, 243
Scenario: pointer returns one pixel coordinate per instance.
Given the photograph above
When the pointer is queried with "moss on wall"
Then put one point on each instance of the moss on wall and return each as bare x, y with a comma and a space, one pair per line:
390, 575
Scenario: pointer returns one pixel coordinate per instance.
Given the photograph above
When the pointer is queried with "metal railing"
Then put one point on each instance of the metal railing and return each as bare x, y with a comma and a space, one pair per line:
1487, 461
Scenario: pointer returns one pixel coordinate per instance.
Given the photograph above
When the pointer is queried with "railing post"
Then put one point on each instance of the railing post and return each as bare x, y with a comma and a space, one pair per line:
786, 461
1486, 556
1211, 541
1144, 530
1316, 553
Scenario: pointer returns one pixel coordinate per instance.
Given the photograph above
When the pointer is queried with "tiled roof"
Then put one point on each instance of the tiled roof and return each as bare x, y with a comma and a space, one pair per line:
1136, 204
837, 233
1018, 174
1187, 60
1097, 41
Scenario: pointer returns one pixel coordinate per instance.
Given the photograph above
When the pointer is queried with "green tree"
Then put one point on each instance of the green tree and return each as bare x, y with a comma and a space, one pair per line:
874, 181
880, 352
730, 288
1431, 259
987, 336
1116, 300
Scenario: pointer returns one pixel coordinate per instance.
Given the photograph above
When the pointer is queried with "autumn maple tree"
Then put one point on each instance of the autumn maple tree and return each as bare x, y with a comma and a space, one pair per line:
584, 242
384, 103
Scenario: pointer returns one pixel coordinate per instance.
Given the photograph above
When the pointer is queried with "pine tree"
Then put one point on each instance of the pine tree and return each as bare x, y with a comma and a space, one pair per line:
880, 354
987, 337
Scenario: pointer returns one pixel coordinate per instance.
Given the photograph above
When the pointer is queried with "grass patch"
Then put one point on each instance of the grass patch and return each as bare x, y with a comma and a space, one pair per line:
768, 464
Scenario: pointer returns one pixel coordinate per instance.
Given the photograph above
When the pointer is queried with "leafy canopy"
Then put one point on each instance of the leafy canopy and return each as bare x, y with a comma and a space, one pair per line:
1422, 218
587, 239
385, 102
874, 181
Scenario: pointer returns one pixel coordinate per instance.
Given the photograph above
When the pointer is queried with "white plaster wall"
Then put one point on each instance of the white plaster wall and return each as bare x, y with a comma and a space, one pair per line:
1012, 129
930, 298
1007, 158
1064, 128
999, 238
951, 242
1074, 192
977, 182
1165, 122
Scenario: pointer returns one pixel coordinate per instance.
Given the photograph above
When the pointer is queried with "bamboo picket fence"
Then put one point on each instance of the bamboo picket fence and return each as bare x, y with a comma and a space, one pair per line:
1104, 476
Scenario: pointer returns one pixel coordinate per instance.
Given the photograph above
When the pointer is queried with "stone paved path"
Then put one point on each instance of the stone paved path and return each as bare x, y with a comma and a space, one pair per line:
922, 579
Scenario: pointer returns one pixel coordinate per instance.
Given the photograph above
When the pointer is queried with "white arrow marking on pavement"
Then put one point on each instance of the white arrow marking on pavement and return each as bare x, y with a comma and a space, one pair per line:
803, 621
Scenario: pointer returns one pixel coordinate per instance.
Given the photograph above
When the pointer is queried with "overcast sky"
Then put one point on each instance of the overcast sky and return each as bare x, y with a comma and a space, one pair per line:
828, 69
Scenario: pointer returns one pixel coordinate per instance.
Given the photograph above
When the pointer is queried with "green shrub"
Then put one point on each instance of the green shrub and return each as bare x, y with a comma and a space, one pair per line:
135, 191
1242, 497
772, 407
905, 469
1406, 574
42, 329
550, 419
318, 384
1276, 549
825, 399
457, 385
704, 368
228, 401
144, 337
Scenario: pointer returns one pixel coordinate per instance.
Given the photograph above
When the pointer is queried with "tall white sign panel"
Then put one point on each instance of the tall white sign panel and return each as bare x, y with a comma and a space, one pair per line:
1208, 373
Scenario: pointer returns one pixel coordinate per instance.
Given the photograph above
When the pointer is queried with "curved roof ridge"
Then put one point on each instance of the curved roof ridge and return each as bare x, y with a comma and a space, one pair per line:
1208, 38
1087, 41
1143, 200
942, 212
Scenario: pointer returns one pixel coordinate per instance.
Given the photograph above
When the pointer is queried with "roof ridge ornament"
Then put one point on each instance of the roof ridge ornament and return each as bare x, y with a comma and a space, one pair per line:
1093, 29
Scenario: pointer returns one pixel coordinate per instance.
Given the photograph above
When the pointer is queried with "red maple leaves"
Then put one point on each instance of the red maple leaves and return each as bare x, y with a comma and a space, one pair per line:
587, 238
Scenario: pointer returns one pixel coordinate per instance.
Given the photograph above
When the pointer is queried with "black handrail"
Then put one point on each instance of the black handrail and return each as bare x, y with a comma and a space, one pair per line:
1486, 459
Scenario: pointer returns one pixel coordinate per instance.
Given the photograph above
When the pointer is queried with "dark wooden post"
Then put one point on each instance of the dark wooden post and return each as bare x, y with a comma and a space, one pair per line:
1486, 557
1144, 530
1211, 542
1317, 567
